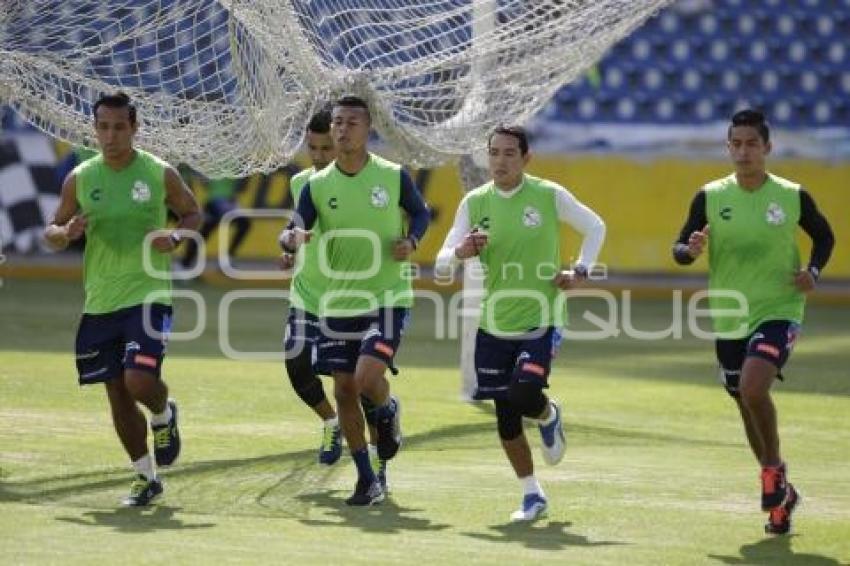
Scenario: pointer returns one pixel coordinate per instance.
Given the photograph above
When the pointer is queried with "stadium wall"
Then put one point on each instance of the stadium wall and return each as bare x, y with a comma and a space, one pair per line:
643, 201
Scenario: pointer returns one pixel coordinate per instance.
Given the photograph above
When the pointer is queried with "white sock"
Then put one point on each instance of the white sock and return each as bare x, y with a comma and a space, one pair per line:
333, 421
552, 414
162, 418
144, 467
531, 485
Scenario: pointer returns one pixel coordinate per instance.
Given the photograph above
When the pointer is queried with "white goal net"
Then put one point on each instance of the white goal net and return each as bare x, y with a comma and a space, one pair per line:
227, 86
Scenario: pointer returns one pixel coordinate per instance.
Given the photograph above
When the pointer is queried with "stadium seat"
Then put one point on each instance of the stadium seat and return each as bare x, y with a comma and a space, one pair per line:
790, 57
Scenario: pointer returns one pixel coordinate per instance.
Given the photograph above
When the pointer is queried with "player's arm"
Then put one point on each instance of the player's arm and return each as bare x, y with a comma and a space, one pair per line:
462, 242
694, 234
66, 225
298, 230
181, 201
419, 216
587, 223
817, 227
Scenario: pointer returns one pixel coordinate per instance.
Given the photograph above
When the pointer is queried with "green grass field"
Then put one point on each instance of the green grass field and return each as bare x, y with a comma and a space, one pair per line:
656, 472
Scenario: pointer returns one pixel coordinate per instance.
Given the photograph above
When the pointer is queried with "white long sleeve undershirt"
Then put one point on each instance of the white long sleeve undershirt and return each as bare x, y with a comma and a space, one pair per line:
570, 211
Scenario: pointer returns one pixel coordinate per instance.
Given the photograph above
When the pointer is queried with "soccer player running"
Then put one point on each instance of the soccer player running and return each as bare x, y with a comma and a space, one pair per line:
748, 223
357, 203
119, 199
302, 324
512, 223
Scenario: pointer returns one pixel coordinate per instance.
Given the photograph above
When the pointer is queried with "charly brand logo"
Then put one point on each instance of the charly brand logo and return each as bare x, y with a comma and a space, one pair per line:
531, 217
141, 192
380, 197
775, 215
95, 194
726, 213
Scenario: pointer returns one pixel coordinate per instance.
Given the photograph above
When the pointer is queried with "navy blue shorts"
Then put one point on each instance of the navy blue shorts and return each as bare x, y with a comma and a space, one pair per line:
107, 344
772, 341
343, 340
501, 361
301, 335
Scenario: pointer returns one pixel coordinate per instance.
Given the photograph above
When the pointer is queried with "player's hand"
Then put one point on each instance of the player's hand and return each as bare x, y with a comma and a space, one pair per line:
472, 244
293, 238
76, 227
570, 279
163, 242
286, 261
804, 281
402, 248
698, 241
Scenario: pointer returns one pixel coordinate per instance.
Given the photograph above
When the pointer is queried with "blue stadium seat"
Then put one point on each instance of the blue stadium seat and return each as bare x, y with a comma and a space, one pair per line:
791, 57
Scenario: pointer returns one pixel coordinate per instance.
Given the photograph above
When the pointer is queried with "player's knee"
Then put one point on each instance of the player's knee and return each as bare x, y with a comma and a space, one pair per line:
118, 394
141, 384
730, 379
752, 392
508, 420
370, 370
346, 391
510, 429
528, 398
306, 385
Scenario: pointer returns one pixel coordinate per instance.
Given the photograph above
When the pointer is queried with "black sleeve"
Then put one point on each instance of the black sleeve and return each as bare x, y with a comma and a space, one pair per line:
816, 226
412, 202
696, 221
305, 212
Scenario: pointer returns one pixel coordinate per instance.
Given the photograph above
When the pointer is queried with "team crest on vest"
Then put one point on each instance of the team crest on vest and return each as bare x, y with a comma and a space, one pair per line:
531, 217
380, 197
141, 192
775, 215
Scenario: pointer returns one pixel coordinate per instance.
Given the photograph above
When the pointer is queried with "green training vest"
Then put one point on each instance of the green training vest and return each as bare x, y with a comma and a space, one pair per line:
122, 207
521, 258
359, 218
752, 249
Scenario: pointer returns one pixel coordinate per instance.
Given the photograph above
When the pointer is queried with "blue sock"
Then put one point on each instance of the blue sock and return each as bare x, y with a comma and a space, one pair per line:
386, 411
364, 466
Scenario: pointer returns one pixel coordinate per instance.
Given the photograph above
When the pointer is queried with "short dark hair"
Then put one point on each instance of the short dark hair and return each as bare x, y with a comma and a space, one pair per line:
351, 101
320, 123
752, 118
115, 100
516, 131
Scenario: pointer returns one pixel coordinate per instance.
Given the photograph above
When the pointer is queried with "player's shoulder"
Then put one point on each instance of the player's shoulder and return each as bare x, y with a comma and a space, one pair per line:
722, 184
152, 159
543, 185
88, 165
783, 183
486, 189
383, 163
302, 176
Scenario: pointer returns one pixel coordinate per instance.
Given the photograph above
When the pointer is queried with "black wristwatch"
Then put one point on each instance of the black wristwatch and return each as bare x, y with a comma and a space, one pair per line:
814, 271
580, 271
175, 238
